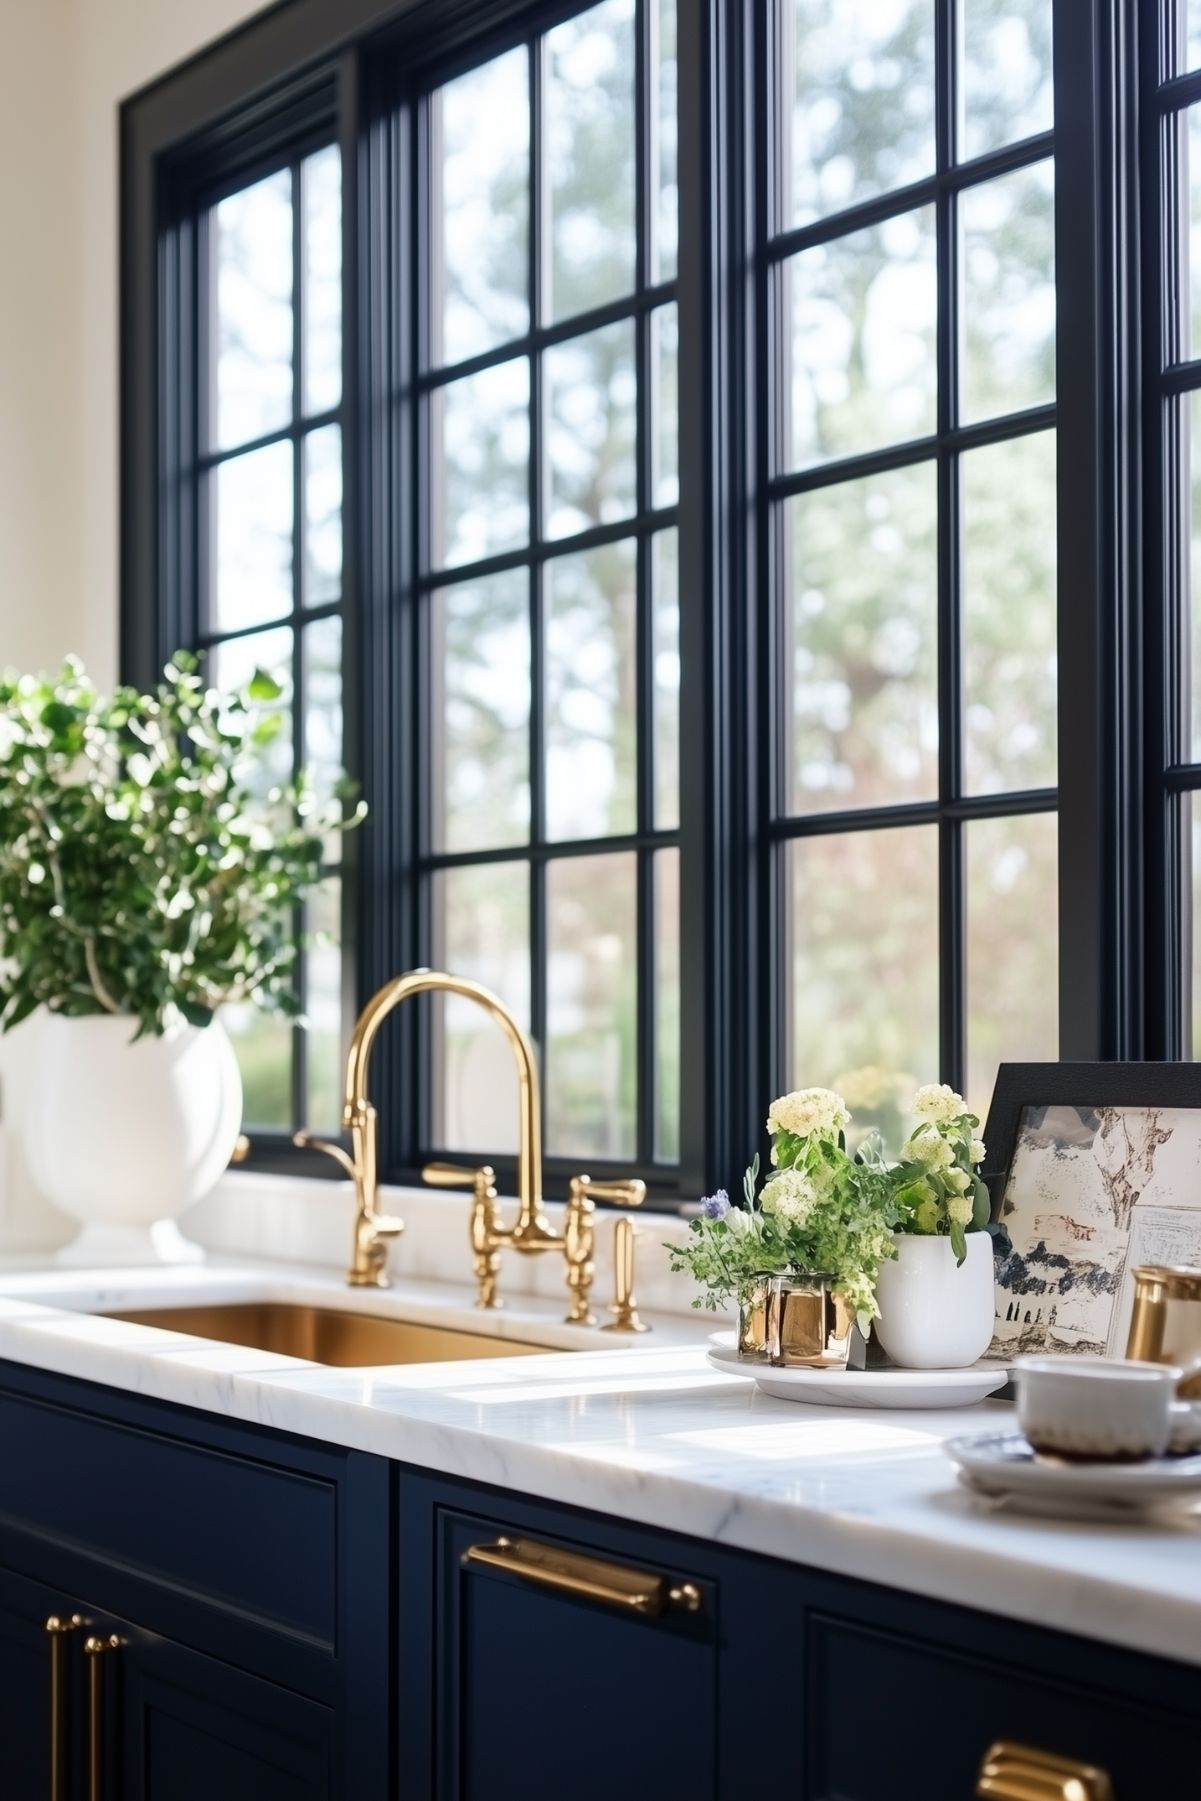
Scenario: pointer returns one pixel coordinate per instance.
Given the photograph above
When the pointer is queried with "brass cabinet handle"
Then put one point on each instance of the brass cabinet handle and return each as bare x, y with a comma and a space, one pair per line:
589, 1578
1017, 1773
95, 1650
58, 1630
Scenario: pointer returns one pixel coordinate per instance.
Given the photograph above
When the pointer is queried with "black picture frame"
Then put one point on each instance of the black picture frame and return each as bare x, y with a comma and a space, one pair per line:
1022, 1085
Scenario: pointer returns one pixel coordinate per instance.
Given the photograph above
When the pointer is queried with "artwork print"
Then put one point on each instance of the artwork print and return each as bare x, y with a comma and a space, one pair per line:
1091, 1194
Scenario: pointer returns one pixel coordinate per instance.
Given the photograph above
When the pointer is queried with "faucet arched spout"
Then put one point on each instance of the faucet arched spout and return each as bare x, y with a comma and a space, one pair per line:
531, 1224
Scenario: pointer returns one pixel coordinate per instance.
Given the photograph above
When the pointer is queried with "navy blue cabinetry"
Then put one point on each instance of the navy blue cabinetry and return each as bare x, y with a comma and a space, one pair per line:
243, 1575
784, 1682
287, 1621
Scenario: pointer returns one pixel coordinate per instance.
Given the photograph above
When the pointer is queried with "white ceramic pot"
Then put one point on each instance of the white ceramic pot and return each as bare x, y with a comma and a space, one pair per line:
936, 1314
125, 1136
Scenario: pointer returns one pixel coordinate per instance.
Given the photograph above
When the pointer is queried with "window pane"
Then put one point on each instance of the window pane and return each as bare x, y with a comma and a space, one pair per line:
591, 703
864, 910
321, 199
1193, 975
664, 125
1012, 948
481, 634
589, 149
322, 515
665, 600
591, 404
322, 752
1192, 621
263, 1047
324, 1066
1008, 309
863, 323
230, 667
863, 108
1005, 73
665, 437
1192, 306
1009, 625
481, 127
251, 257
864, 616
480, 429
592, 984
482, 931
667, 1005
250, 537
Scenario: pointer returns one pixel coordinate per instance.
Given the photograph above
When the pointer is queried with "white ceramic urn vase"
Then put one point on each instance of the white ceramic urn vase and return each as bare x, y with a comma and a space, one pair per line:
936, 1314
125, 1135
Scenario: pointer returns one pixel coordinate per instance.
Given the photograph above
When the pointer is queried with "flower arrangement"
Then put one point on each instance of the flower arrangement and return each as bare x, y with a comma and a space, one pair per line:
825, 1212
140, 874
938, 1187
819, 1210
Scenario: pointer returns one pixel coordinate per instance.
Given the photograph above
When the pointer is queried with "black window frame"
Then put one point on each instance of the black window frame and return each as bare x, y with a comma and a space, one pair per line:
343, 63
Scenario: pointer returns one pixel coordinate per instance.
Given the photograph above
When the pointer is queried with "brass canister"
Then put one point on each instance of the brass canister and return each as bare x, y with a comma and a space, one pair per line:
1165, 1321
795, 1321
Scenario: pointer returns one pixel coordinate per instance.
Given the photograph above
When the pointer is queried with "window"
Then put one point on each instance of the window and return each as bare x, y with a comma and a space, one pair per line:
1174, 463
908, 276
719, 382
268, 572
548, 373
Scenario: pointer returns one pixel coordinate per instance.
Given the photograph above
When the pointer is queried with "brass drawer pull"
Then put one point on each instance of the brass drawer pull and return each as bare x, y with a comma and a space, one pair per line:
95, 1650
1018, 1773
571, 1573
58, 1630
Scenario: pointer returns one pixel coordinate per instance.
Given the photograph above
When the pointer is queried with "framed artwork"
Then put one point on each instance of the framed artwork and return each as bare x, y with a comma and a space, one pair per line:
1093, 1168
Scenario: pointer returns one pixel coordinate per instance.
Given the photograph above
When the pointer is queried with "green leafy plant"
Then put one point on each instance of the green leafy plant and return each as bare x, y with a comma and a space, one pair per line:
820, 1211
142, 871
938, 1187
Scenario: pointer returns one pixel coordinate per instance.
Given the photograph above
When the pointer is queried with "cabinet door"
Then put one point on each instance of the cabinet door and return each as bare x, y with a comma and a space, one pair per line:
179, 1726
539, 1690
34, 1663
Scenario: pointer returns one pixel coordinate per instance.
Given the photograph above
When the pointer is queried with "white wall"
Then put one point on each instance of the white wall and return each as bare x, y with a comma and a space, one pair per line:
65, 66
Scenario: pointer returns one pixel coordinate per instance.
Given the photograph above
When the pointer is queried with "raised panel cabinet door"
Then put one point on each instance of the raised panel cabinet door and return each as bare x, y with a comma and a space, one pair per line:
179, 1726
40, 1691
545, 1689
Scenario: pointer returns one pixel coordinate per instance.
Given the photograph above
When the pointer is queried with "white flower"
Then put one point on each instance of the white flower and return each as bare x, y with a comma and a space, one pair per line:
977, 1152
959, 1180
807, 1112
959, 1208
932, 1150
789, 1198
739, 1222
938, 1103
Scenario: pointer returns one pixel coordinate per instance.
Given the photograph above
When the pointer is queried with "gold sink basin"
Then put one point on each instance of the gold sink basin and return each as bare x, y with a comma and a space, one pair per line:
327, 1334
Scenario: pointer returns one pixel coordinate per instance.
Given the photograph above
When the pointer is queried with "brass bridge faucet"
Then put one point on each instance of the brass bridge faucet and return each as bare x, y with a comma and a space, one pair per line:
531, 1232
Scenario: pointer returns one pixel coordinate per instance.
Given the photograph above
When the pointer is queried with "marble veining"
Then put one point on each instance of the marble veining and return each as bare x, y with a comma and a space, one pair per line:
646, 1432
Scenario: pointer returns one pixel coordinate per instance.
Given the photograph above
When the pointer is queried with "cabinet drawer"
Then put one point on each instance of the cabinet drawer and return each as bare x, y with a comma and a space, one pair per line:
893, 1717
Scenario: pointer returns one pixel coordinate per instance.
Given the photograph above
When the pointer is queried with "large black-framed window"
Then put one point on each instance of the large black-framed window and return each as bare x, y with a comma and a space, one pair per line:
546, 582
1171, 135
907, 281
749, 803
264, 489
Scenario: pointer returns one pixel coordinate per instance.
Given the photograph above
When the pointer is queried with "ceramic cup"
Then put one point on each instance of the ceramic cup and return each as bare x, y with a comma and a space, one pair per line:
1104, 1409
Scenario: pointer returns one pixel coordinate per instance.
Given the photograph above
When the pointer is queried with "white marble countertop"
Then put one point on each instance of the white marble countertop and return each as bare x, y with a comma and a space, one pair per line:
645, 1431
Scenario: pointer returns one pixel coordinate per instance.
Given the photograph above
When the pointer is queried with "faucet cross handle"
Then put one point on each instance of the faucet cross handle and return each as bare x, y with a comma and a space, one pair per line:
487, 1232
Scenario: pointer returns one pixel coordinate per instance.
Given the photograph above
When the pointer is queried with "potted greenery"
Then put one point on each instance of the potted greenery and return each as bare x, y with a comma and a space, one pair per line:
935, 1298
142, 887
800, 1257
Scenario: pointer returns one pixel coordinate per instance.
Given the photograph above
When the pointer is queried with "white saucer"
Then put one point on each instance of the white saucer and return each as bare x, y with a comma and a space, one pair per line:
862, 1388
1002, 1465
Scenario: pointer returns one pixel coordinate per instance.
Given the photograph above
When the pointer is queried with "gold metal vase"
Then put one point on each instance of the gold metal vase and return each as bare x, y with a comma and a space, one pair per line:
795, 1321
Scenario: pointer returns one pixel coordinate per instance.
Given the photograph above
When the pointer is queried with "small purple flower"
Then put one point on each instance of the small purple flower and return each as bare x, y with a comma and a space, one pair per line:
716, 1206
